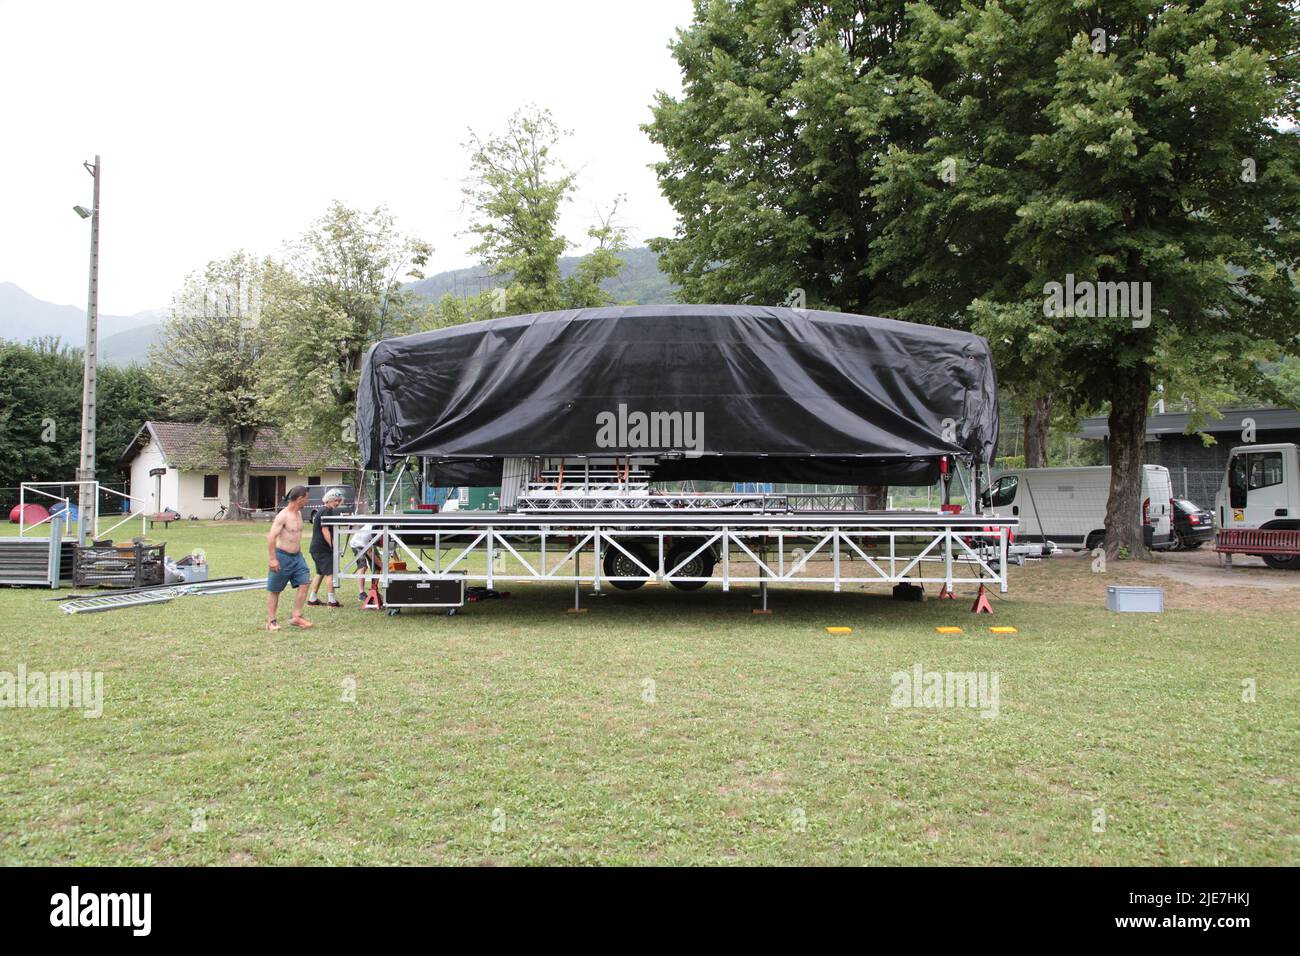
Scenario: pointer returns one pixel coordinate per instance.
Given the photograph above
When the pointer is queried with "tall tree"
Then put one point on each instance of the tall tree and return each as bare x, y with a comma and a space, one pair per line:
1130, 152
516, 190
208, 359
127, 397
40, 412
770, 150
945, 162
339, 292
770, 155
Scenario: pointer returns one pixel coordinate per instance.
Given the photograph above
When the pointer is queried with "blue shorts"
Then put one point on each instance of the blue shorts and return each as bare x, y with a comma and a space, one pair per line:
293, 570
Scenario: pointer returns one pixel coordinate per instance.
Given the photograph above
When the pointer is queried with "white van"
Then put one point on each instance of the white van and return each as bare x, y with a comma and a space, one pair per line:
1068, 505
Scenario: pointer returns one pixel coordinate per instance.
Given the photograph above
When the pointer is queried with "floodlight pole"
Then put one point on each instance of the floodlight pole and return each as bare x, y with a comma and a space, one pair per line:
86, 473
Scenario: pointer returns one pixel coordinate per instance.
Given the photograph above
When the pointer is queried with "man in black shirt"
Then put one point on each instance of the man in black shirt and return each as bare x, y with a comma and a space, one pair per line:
322, 550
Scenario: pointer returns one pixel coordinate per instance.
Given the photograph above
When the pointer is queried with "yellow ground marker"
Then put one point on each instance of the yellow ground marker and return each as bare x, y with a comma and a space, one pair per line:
1003, 630
947, 630
839, 630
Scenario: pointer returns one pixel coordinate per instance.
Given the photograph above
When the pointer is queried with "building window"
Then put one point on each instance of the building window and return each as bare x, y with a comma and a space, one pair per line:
209, 486
313, 479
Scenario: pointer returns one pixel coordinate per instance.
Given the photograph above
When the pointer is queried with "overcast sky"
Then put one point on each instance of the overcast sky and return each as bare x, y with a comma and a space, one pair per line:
232, 125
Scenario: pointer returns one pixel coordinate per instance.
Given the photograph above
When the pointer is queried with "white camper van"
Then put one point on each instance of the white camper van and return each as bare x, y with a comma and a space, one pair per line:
1068, 505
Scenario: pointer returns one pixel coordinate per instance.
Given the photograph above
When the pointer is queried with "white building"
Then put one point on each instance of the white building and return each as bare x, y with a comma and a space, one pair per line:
183, 467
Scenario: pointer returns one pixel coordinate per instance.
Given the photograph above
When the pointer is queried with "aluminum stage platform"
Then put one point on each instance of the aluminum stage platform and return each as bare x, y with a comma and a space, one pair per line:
687, 550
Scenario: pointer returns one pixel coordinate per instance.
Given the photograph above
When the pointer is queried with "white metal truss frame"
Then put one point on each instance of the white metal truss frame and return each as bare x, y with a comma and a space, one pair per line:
919, 550
95, 488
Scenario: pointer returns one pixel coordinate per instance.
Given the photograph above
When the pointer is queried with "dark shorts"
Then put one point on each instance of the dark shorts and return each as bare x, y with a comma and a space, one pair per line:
293, 571
324, 561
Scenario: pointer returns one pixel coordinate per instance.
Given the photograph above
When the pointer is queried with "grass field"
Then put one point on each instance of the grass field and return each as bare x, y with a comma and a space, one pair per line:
659, 728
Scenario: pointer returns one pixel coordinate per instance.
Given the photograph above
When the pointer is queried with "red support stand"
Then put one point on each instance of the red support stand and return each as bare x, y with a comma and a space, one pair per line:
982, 605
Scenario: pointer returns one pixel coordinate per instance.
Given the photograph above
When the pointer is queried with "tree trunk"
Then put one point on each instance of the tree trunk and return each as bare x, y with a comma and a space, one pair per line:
239, 444
1036, 423
874, 497
1127, 422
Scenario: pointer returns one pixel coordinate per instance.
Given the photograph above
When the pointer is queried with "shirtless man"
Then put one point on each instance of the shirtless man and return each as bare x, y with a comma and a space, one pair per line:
288, 566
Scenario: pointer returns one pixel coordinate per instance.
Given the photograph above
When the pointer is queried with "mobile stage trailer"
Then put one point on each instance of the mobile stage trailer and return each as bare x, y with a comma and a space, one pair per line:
581, 416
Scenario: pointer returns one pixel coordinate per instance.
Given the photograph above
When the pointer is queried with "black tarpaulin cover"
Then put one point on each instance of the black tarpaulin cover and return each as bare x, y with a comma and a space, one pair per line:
721, 392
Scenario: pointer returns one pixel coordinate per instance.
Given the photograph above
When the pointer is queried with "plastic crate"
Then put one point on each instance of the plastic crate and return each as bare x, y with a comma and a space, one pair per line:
190, 573
1135, 599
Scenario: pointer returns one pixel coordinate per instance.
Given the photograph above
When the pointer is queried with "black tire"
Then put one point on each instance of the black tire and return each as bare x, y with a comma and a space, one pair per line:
701, 566
616, 564
1289, 563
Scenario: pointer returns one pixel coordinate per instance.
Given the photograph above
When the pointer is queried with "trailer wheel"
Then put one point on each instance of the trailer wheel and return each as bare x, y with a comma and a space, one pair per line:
617, 564
1278, 563
700, 566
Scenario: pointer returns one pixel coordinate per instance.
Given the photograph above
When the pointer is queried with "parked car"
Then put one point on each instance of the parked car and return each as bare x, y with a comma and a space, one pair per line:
1193, 525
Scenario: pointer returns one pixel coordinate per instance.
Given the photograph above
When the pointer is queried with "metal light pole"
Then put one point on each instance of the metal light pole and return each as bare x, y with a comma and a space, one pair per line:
90, 502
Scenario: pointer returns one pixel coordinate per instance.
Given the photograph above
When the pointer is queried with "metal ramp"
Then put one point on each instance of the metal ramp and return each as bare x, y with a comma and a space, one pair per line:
115, 602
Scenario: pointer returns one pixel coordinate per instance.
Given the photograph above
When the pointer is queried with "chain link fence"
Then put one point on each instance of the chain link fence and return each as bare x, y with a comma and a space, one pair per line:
1197, 485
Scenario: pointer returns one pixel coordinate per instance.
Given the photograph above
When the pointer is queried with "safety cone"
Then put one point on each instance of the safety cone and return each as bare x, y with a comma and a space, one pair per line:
982, 605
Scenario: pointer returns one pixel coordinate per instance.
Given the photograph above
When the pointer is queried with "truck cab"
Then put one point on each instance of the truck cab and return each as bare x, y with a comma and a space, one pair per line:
1260, 491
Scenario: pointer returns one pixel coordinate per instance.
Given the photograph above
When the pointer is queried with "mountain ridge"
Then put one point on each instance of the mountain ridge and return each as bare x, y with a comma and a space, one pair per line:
125, 339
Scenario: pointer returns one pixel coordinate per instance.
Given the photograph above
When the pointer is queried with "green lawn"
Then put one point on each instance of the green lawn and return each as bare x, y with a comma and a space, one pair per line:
520, 714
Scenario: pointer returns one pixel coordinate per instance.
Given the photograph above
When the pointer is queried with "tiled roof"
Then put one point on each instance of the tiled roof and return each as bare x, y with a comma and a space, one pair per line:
192, 447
